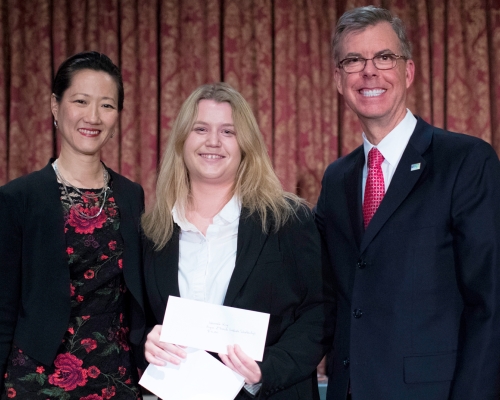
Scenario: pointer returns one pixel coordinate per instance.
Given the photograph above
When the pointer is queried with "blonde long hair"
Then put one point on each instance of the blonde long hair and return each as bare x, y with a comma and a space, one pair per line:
256, 184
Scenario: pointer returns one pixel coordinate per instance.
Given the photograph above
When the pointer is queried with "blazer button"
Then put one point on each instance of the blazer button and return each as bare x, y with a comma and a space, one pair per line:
361, 264
357, 313
346, 363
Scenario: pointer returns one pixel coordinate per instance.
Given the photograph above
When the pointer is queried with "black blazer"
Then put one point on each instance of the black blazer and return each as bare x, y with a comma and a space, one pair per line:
34, 288
277, 273
418, 292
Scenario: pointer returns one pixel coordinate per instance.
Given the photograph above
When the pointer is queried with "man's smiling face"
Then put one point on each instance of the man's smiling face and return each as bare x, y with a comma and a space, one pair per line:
376, 96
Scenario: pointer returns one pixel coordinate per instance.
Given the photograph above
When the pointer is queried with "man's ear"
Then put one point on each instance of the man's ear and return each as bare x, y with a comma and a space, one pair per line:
337, 75
410, 72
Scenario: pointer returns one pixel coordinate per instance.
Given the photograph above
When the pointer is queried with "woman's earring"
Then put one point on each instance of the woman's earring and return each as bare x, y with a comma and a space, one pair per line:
55, 124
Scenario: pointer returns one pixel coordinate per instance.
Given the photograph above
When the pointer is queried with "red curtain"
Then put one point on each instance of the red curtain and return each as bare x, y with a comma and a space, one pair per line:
275, 52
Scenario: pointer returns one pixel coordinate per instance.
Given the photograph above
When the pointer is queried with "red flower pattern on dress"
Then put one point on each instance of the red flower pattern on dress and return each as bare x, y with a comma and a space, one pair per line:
82, 225
93, 372
108, 392
89, 274
78, 371
11, 393
121, 338
87, 196
89, 344
120, 263
112, 199
68, 373
91, 397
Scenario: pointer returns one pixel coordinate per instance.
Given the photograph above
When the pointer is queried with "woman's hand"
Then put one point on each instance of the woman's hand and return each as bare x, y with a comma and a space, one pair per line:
159, 353
239, 362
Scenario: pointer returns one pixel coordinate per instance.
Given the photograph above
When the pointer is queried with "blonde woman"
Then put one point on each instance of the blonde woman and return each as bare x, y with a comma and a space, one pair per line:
223, 231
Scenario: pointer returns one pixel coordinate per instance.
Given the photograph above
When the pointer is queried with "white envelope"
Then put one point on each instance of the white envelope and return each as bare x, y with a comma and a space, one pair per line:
199, 377
212, 327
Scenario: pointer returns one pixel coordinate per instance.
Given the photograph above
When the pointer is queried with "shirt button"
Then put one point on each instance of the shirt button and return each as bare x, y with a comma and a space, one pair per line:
346, 363
357, 313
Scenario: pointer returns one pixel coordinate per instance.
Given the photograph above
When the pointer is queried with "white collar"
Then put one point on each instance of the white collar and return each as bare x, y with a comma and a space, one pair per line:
393, 145
229, 213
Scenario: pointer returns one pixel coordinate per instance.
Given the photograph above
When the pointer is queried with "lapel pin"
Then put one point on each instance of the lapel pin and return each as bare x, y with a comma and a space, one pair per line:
415, 167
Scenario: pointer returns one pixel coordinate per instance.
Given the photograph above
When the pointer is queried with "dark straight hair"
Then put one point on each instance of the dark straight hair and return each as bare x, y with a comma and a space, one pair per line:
86, 60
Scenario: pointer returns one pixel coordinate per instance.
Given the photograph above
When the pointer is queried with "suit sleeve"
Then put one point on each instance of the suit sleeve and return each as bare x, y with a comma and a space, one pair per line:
476, 240
320, 219
302, 345
10, 271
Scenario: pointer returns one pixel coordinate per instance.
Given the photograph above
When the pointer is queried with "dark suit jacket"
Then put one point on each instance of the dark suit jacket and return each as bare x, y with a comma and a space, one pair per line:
276, 273
34, 288
418, 293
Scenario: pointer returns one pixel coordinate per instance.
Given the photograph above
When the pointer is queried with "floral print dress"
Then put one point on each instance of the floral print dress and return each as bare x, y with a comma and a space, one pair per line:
94, 361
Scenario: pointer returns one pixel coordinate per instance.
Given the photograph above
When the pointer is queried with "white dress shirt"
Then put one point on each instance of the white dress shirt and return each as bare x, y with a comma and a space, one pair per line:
206, 262
392, 147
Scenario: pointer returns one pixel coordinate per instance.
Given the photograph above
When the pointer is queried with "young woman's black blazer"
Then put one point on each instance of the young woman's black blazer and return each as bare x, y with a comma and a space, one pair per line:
279, 273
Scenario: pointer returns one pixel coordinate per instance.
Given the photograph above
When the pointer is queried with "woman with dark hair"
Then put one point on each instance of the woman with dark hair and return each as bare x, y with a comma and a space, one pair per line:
224, 231
71, 296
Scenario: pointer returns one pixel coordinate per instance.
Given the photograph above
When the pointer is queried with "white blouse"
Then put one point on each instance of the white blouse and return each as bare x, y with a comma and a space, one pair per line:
206, 262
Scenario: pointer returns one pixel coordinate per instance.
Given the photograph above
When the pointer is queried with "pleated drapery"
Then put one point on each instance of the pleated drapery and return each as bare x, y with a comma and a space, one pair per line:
275, 52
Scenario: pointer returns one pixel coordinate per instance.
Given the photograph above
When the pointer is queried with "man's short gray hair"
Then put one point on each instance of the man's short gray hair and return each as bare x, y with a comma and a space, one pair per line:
358, 19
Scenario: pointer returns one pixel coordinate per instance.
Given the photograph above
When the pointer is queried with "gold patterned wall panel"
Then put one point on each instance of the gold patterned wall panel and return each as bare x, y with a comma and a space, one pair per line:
30, 121
276, 52
139, 120
285, 87
189, 54
467, 80
4, 99
247, 57
493, 24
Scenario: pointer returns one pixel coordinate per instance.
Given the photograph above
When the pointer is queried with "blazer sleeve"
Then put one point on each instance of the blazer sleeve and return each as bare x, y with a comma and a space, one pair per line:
10, 271
476, 235
320, 219
302, 345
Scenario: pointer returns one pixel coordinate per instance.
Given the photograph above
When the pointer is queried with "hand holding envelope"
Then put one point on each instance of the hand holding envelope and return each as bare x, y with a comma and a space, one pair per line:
240, 363
158, 352
208, 327
212, 327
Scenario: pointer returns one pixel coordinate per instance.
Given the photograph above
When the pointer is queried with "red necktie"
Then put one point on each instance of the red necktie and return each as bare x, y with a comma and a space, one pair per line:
375, 188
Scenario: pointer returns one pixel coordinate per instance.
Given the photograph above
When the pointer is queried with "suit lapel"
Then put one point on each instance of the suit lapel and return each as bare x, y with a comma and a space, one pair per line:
251, 239
402, 182
352, 181
167, 268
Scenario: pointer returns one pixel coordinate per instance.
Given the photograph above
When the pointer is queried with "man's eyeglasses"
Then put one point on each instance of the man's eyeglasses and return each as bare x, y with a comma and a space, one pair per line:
358, 64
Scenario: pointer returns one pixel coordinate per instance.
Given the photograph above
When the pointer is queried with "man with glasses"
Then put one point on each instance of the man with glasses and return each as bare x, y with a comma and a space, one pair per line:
410, 223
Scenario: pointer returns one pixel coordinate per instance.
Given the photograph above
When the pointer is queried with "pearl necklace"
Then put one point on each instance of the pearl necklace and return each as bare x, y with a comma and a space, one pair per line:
92, 196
